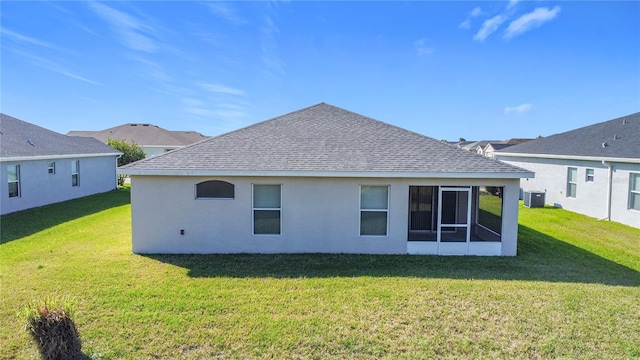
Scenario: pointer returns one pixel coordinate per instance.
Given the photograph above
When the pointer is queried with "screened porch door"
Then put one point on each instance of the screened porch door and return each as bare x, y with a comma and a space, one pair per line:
454, 220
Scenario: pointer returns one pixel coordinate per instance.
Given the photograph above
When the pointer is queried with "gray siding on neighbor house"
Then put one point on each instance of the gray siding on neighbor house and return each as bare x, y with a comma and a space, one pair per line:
591, 197
38, 187
319, 215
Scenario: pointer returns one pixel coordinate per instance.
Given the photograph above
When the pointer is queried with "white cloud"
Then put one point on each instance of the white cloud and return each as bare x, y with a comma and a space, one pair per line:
221, 89
530, 21
224, 11
467, 23
512, 3
133, 33
523, 108
489, 27
19, 38
52, 66
273, 65
422, 47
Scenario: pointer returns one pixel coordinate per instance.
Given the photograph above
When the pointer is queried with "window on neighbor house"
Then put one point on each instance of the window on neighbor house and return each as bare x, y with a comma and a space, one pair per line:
215, 189
634, 191
75, 173
374, 209
589, 175
52, 168
13, 176
572, 182
267, 206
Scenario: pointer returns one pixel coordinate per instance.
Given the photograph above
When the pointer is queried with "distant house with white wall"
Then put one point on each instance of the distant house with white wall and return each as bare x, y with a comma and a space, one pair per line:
593, 170
325, 180
40, 166
153, 139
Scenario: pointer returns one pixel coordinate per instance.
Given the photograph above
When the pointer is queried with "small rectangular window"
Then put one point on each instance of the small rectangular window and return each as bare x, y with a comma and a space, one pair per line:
52, 168
589, 175
267, 206
634, 191
13, 177
374, 209
75, 173
572, 182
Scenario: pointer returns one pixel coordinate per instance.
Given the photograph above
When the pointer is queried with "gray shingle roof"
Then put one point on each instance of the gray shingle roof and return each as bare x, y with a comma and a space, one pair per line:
19, 139
323, 138
144, 135
621, 137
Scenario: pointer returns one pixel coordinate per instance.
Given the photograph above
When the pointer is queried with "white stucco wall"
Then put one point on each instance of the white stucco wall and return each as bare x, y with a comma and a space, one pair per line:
38, 187
591, 197
151, 151
318, 215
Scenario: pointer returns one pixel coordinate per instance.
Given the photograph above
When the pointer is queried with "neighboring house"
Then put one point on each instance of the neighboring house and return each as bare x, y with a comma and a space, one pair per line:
153, 139
40, 166
326, 180
492, 146
594, 170
473, 146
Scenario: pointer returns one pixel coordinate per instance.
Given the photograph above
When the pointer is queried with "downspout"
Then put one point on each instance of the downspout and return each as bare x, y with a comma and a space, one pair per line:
609, 186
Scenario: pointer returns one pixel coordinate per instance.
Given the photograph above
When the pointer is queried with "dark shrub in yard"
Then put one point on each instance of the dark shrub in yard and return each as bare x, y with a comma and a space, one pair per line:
51, 327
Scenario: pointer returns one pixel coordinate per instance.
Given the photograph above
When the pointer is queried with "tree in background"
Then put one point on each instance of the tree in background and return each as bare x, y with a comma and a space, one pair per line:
130, 152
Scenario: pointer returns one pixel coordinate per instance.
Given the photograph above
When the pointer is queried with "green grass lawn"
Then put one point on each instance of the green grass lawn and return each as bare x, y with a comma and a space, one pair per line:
573, 292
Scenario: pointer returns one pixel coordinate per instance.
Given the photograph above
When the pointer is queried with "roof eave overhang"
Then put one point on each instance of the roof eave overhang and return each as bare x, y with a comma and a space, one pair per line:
55, 157
570, 157
338, 174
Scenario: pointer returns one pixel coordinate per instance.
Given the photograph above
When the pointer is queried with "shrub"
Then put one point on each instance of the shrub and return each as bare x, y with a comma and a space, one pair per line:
50, 324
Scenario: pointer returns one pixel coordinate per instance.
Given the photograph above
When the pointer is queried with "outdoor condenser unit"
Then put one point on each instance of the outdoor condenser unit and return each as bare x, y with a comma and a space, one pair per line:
534, 199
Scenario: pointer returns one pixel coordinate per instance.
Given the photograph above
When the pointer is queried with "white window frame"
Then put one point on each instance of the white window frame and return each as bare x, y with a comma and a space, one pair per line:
254, 208
569, 182
76, 173
16, 181
51, 169
373, 210
589, 177
632, 192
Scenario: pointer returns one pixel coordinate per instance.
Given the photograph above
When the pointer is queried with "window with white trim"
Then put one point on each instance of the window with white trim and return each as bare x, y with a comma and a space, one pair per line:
267, 208
75, 173
572, 182
52, 168
589, 175
634, 191
374, 210
13, 177
215, 189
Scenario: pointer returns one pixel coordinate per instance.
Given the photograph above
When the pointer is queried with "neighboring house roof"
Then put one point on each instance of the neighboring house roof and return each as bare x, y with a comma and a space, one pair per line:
144, 135
20, 139
497, 146
322, 140
613, 139
516, 141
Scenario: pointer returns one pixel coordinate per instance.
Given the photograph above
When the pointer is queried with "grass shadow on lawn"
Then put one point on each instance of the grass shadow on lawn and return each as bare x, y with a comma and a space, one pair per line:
13, 226
540, 258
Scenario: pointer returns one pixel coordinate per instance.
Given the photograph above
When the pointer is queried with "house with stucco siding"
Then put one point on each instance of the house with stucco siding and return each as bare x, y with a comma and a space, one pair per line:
593, 170
324, 180
40, 167
153, 139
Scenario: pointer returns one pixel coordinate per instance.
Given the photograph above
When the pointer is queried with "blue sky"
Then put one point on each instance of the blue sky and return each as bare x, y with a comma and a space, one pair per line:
478, 70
